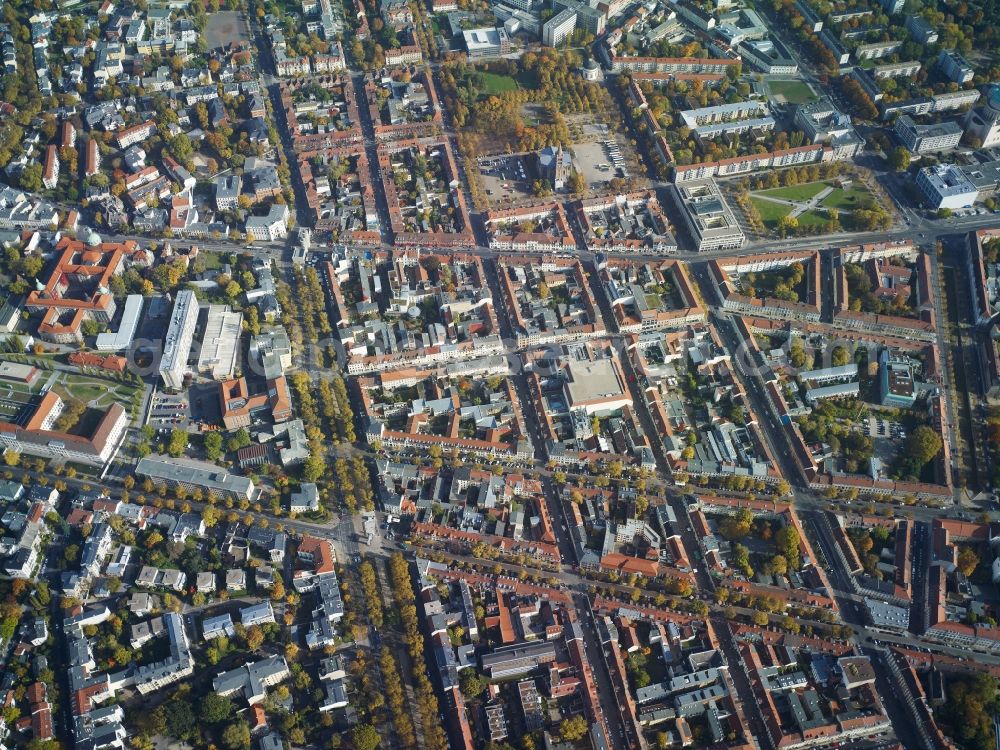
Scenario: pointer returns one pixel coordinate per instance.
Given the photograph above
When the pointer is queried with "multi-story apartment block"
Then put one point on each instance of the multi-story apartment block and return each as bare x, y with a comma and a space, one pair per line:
724, 119
180, 336
753, 162
672, 65
176, 666
955, 67
928, 104
922, 31
273, 226
922, 139
252, 680
903, 69
876, 50
135, 134
50, 170
227, 191
559, 28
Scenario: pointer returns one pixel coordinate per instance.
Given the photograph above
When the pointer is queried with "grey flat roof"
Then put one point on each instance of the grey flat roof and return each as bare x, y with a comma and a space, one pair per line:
122, 338
186, 471
593, 380
518, 651
841, 371
174, 354
832, 391
983, 175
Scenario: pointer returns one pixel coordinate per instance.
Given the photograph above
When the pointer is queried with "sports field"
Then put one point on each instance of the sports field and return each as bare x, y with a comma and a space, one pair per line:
498, 84
793, 92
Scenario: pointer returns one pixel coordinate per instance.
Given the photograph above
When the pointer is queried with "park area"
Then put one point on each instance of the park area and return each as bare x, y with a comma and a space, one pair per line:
791, 92
510, 110
809, 204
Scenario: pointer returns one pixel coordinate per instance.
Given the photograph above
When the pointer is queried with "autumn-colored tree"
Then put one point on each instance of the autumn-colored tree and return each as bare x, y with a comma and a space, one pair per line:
967, 561
278, 590
255, 637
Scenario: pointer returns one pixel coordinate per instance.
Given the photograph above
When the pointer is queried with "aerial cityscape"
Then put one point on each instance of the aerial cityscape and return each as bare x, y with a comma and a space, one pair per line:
500, 374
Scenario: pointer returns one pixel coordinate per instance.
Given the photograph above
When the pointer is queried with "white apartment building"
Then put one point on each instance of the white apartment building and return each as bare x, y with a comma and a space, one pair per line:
178, 665
922, 139
122, 338
558, 28
748, 110
252, 680
273, 226
180, 335
956, 67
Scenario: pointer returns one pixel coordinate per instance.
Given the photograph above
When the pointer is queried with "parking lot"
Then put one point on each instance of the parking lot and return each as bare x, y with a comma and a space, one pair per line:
599, 162
506, 178
169, 411
975, 211
885, 428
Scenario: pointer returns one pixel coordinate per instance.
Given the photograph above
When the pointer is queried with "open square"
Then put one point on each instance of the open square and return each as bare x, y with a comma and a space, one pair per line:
225, 27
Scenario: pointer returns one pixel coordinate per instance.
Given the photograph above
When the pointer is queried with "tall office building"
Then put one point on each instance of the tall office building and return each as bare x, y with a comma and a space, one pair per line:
180, 335
558, 28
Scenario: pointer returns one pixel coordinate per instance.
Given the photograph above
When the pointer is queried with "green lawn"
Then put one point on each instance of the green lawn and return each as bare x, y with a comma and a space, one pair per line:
846, 200
527, 79
213, 260
812, 218
794, 92
21, 391
769, 211
796, 192
843, 199
83, 391
87, 389
840, 199
498, 84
